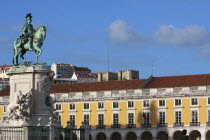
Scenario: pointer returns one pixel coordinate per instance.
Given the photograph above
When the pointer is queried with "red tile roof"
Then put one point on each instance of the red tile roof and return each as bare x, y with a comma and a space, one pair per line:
179, 81
156, 82
5, 91
97, 86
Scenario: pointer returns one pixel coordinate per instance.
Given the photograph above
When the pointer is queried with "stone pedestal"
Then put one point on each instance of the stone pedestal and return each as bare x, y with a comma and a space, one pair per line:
37, 80
31, 106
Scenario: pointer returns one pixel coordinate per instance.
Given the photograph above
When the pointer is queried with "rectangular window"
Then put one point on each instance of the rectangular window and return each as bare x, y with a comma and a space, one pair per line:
58, 106
5, 109
72, 106
178, 117
115, 118
86, 119
130, 104
115, 105
100, 119
146, 103
209, 100
162, 117
100, 105
130, 118
194, 101
59, 119
161, 102
178, 102
86, 105
208, 115
194, 116
146, 117
72, 119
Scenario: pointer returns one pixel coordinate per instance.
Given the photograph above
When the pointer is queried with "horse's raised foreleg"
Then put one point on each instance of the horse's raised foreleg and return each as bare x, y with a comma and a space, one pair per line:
38, 53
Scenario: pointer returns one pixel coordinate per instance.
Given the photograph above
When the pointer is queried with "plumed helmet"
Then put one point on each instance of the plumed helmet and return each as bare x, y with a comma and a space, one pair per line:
28, 15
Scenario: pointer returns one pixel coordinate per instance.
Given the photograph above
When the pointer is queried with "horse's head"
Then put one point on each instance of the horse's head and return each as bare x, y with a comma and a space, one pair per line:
40, 34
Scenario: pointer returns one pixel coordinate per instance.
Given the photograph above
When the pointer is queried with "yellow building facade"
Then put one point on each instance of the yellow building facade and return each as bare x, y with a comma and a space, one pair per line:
157, 108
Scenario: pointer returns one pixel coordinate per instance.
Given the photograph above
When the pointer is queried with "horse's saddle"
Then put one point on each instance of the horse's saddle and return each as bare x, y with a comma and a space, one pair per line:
22, 40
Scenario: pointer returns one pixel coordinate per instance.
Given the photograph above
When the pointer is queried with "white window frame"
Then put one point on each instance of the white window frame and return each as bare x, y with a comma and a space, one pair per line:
117, 118
72, 104
103, 118
113, 105
192, 102
159, 116
74, 118
197, 114
102, 105
162, 105
60, 107
175, 102
175, 116
84, 117
148, 104
88, 106
133, 117
133, 104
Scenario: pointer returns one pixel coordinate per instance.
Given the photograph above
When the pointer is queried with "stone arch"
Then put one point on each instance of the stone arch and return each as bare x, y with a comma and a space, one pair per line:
131, 136
146, 135
162, 135
177, 134
74, 136
101, 136
116, 136
90, 137
207, 135
194, 135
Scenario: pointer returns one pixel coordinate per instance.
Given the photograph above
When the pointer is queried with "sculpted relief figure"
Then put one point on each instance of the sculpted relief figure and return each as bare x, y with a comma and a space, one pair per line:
47, 81
20, 106
30, 40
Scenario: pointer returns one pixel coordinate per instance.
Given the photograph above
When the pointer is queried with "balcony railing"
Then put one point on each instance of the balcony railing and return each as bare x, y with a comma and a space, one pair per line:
130, 125
162, 124
115, 126
194, 123
179, 124
100, 126
146, 125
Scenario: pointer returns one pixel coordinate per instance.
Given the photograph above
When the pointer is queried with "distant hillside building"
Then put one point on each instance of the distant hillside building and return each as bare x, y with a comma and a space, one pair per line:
121, 75
3, 70
67, 73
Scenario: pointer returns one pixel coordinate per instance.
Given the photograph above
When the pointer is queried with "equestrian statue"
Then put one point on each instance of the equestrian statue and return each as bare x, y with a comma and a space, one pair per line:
30, 40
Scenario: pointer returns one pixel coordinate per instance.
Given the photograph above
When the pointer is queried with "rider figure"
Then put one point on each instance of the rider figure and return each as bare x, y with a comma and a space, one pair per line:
28, 31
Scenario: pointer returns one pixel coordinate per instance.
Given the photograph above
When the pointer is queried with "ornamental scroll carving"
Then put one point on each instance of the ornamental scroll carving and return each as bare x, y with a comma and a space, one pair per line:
46, 82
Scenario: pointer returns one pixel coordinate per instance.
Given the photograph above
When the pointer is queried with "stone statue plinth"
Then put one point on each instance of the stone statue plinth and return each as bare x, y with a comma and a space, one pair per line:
30, 100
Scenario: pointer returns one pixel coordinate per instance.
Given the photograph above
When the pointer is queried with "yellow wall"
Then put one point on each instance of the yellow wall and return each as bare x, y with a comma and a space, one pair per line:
138, 116
154, 112
186, 111
65, 114
170, 112
123, 113
203, 110
93, 114
1, 111
108, 115
79, 114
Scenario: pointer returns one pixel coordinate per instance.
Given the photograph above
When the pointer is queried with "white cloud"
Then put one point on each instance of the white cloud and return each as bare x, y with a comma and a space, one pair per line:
120, 32
187, 36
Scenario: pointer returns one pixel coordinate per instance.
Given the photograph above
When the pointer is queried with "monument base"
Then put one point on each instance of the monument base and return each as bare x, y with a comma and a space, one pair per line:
30, 110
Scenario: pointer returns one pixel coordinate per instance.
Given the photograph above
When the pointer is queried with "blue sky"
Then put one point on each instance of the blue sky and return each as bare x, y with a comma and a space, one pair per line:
159, 37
